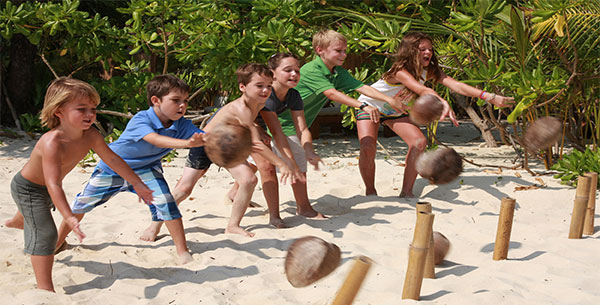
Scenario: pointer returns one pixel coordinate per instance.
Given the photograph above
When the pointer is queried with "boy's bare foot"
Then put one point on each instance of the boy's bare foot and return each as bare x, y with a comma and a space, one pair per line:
151, 231
62, 247
184, 258
15, 223
311, 214
278, 223
238, 230
406, 194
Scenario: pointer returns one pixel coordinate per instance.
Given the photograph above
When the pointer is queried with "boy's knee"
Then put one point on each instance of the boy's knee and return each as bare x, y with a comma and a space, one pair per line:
248, 181
420, 144
268, 170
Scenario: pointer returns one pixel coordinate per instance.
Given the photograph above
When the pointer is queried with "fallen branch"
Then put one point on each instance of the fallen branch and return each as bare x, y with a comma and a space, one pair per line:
389, 155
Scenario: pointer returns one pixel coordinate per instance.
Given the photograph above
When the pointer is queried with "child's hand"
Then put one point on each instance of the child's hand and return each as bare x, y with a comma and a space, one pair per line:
257, 147
144, 193
447, 112
196, 140
73, 223
373, 113
313, 159
401, 100
286, 173
501, 101
264, 137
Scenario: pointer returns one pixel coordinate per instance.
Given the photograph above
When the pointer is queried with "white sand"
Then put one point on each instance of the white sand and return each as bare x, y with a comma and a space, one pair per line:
112, 266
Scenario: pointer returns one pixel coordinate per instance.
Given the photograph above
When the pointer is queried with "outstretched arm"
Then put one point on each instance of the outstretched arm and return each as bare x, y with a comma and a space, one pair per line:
342, 98
466, 90
120, 167
168, 142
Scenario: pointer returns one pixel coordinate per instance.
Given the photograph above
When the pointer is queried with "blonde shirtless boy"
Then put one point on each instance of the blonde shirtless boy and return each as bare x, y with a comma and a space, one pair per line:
69, 111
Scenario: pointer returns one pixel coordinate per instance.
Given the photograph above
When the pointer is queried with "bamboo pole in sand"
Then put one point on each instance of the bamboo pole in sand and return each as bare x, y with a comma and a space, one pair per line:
507, 211
582, 195
590, 213
353, 281
417, 256
429, 271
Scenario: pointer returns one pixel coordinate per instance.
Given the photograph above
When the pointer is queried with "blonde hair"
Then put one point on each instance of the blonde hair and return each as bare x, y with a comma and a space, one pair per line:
61, 91
324, 38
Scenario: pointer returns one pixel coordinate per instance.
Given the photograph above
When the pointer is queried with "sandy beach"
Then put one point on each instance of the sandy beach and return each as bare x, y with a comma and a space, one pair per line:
113, 266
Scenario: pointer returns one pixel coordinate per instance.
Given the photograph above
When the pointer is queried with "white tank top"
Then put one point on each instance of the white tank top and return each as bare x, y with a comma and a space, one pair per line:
405, 95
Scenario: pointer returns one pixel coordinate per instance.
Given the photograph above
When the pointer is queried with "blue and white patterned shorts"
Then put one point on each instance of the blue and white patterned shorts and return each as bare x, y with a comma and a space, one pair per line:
103, 186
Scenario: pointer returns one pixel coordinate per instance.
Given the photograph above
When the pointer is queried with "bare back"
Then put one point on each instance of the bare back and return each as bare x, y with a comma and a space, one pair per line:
67, 149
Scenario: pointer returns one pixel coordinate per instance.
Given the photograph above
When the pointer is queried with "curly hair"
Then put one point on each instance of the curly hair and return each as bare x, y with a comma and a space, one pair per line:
408, 58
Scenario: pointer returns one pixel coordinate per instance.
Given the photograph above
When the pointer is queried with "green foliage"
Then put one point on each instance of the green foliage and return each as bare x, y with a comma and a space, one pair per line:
30, 122
543, 52
576, 164
170, 156
89, 160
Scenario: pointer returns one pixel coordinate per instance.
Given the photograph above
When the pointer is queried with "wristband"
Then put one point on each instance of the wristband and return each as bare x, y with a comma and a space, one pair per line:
481, 95
363, 105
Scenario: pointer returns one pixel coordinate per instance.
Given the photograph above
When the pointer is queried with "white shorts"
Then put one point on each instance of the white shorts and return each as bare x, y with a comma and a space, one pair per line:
297, 152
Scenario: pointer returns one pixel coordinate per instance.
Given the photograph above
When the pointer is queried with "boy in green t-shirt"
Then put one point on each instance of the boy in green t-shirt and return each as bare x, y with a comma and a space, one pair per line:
324, 79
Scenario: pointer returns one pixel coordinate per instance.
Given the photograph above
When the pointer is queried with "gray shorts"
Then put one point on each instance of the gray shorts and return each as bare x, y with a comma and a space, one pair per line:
34, 203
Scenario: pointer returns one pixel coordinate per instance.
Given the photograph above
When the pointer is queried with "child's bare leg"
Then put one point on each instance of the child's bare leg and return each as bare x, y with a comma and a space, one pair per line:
270, 186
175, 228
42, 268
247, 181
367, 137
63, 231
182, 190
416, 141
233, 191
15, 222
303, 206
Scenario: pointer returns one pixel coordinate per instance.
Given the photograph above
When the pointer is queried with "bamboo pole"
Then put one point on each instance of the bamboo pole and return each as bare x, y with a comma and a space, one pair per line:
417, 256
579, 206
507, 211
429, 271
353, 281
590, 213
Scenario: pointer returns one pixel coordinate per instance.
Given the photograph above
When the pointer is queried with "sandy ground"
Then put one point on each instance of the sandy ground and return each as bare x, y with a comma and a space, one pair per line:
112, 266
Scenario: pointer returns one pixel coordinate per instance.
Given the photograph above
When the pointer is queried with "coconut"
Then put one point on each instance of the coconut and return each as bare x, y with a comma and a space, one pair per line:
441, 245
440, 166
542, 133
426, 109
309, 259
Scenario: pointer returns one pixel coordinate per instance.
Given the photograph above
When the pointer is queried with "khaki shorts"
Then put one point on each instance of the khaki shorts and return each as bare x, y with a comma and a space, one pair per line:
297, 152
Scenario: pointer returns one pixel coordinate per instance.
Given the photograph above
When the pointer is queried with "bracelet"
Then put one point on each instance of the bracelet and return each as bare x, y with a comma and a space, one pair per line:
490, 97
363, 105
482, 94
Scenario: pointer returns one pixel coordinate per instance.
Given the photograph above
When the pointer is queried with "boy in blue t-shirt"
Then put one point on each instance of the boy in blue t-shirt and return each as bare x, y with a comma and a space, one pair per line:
149, 136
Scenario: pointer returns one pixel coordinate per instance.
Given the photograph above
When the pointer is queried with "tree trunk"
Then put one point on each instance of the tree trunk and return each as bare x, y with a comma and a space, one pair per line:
20, 76
481, 124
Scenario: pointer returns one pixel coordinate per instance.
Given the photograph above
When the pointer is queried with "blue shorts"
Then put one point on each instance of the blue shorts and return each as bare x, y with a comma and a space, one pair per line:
103, 186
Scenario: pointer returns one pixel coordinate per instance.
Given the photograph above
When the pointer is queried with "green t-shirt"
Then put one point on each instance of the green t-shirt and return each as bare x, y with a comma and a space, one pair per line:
314, 79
